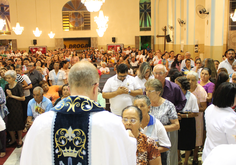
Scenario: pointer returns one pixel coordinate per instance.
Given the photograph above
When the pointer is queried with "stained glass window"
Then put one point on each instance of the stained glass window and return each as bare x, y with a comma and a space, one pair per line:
75, 16
5, 15
145, 15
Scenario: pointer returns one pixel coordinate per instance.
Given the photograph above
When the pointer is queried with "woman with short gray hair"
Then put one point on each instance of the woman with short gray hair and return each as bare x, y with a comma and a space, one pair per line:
163, 110
14, 95
144, 74
201, 96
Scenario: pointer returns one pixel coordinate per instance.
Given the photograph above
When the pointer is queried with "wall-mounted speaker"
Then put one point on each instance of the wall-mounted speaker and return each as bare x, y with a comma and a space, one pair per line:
168, 38
35, 42
114, 39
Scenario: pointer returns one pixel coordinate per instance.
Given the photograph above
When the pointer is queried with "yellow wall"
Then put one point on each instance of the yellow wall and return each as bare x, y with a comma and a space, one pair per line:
123, 23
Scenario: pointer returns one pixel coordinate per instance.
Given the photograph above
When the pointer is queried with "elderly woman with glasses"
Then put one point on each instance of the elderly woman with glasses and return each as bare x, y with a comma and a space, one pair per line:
15, 95
147, 151
151, 126
161, 108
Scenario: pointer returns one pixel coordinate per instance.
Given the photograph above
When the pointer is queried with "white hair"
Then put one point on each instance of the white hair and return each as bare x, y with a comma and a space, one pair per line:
187, 53
194, 74
40, 89
11, 73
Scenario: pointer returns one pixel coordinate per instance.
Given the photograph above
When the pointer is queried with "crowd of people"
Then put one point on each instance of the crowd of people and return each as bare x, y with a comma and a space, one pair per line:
168, 102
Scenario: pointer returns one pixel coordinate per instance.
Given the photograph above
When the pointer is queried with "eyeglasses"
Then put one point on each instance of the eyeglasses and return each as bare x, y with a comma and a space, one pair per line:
149, 91
125, 120
158, 73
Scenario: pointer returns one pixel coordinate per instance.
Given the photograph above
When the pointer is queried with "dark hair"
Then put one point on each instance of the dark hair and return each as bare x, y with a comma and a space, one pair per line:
173, 65
216, 61
187, 60
229, 50
40, 62
207, 69
222, 77
63, 63
95, 65
199, 59
185, 84
225, 95
42, 82
175, 75
137, 110
222, 70
122, 68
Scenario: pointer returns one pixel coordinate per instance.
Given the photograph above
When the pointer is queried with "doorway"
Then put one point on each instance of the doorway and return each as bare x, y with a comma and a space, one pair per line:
145, 42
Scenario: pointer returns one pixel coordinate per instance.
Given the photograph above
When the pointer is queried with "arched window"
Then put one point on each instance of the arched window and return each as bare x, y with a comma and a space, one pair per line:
145, 15
5, 15
75, 16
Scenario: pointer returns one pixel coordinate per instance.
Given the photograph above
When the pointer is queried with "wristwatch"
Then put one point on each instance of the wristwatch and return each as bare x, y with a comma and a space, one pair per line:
129, 92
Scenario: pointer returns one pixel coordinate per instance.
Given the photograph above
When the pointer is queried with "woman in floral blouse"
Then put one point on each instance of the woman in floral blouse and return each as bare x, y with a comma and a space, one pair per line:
147, 149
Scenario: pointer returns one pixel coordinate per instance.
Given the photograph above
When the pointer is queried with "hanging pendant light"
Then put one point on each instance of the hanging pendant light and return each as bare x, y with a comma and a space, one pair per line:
37, 32
18, 29
51, 34
93, 5
101, 21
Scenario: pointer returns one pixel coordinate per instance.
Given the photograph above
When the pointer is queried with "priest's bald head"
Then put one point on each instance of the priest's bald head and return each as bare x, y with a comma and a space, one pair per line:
84, 80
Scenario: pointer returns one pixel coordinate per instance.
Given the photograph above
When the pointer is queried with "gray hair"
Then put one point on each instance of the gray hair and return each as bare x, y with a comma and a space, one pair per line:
39, 89
147, 100
187, 53
83, 74
155, 84
143, 69
194, 74
11, 73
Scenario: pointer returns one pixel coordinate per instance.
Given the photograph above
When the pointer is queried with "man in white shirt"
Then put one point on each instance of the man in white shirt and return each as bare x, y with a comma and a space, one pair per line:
104, 69
78, 130
187, 56
120, 90
134, 63
227, 64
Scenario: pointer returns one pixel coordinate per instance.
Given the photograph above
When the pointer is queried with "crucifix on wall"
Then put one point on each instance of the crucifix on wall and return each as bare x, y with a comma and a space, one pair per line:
166, 37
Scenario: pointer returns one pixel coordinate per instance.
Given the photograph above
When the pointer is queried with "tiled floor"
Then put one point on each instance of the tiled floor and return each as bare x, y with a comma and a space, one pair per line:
14, 158
191, 158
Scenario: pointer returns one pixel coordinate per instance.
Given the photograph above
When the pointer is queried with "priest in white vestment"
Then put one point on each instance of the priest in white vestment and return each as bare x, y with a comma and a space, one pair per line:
107, 141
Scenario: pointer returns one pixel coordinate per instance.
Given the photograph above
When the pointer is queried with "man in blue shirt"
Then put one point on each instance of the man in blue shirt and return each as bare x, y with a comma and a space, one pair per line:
38, 105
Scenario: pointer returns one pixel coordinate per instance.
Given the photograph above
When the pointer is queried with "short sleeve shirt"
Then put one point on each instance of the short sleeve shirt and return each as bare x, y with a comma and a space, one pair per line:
118, 103
200, 94
57, 79
165, 112
34, 109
